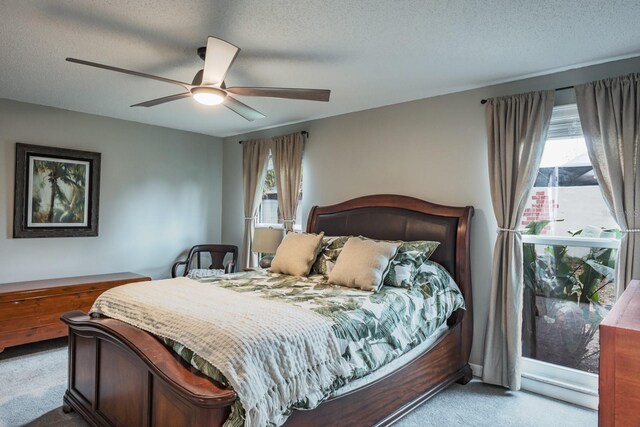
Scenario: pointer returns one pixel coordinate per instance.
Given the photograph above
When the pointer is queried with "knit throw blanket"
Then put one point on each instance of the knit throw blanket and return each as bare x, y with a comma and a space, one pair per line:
272, 353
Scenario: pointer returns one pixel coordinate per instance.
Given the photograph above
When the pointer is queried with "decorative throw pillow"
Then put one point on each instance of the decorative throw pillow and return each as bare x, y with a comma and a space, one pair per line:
436, 277
363, 263
326, 260
410, 256
296, 253
201, 273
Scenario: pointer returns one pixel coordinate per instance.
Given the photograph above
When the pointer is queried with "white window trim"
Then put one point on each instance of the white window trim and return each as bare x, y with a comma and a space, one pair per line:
556, 381
583, 242
560, 382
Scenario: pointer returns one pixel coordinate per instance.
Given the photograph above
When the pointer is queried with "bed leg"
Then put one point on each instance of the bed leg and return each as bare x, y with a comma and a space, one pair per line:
66, 408
467, 375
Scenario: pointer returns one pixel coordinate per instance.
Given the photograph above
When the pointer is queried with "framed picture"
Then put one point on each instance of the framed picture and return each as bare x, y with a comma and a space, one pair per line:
56, 192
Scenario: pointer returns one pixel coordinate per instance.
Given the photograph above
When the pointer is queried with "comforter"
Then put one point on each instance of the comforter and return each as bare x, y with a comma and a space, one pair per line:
372, 329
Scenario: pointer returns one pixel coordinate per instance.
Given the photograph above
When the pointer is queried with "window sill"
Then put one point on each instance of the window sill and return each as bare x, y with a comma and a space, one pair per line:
587, 242
296, 227
559, 382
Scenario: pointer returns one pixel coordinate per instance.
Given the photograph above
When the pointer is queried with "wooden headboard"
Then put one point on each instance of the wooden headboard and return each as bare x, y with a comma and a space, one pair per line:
394, 217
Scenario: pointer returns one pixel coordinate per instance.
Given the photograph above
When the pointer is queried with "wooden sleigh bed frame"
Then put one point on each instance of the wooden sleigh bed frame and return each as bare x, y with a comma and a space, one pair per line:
120, 375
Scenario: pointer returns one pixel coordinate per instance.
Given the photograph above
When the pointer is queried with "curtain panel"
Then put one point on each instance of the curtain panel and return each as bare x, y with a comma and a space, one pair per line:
287, 162
516, 132
610, 115
255, 158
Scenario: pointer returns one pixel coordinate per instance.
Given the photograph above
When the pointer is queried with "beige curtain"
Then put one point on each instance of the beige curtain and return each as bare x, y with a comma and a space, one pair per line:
255, 157
610, 116
516, 131
287, 162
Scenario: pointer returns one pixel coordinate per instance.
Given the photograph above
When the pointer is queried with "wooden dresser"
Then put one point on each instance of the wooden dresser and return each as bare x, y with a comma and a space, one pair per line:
30, 311
620, 362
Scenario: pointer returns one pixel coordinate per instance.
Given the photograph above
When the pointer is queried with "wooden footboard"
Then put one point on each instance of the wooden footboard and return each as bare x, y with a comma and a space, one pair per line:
120, 375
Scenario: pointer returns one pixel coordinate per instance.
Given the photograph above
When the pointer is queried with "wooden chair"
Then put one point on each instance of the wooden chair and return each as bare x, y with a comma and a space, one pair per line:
217, 254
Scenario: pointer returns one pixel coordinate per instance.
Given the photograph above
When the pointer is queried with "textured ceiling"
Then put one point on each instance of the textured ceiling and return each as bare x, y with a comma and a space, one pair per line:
369, 53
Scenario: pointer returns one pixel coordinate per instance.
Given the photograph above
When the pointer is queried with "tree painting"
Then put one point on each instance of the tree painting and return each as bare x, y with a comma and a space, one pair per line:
59, 192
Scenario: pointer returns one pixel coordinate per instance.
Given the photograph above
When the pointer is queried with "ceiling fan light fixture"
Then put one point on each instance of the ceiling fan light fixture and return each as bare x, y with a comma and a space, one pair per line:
208, 95
208, 88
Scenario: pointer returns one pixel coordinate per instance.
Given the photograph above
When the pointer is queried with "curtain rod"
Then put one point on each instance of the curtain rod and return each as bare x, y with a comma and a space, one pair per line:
484, 101
304, 132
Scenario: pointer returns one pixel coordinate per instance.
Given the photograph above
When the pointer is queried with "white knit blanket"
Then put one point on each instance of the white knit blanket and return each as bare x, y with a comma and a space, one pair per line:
273, 354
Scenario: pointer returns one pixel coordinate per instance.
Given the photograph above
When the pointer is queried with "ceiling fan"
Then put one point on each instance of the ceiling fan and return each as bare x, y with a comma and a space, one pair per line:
208, 86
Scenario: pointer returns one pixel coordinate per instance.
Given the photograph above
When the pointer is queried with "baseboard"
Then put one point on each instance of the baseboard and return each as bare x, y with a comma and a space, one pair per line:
476, 369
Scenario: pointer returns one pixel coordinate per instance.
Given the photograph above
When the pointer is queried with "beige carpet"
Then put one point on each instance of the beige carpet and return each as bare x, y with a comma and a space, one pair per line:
33, 379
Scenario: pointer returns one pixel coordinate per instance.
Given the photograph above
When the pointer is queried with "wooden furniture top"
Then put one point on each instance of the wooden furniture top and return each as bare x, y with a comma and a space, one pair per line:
97, 279
625, 313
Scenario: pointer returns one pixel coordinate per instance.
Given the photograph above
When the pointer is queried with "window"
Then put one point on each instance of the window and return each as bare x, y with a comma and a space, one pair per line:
566, 194
570, 247
268, 212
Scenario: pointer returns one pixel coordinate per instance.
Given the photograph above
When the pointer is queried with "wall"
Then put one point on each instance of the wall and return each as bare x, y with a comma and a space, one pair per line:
160, 193
433, 149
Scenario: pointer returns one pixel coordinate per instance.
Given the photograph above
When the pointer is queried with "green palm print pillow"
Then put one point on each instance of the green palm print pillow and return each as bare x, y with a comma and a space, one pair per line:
435, 276
410, 256
329, 251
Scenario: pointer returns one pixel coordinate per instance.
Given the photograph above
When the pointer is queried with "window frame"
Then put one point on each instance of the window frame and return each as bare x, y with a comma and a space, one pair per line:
296, 227
557, 381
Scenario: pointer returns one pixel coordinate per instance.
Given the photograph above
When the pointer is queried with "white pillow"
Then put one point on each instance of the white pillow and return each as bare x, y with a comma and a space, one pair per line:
296, 253
363, 263
202, 273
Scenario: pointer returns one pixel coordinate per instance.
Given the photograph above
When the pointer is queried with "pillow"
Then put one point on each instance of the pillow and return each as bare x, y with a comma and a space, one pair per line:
410, 256
296, 253
201, 273
326, 260
363, 263
436, 277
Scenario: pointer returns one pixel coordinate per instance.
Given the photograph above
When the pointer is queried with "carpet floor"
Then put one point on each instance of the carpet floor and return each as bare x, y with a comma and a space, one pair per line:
33, 379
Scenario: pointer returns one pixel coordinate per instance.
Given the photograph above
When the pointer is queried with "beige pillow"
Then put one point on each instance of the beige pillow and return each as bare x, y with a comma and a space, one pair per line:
296, 253
363, 263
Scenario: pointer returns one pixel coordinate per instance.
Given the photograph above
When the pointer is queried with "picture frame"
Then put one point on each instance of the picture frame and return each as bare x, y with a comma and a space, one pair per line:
57, 192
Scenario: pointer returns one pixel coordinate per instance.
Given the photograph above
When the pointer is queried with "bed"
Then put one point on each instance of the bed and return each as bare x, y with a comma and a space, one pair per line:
120, 375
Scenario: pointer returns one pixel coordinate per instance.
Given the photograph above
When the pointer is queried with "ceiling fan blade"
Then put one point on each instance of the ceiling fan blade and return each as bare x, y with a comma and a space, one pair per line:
122, 70
219, 57
159, 101
242, 109
283, 92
